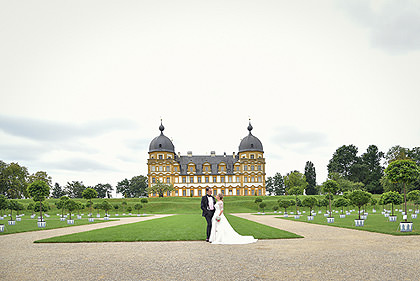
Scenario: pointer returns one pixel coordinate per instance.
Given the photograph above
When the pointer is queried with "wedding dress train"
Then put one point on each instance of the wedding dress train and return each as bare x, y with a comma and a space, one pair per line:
223, 233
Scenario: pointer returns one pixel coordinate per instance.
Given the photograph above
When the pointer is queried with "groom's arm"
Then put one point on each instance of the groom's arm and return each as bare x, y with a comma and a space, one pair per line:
203, 204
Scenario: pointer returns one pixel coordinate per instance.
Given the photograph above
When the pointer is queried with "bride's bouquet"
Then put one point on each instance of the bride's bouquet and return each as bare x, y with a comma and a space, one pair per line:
218, 219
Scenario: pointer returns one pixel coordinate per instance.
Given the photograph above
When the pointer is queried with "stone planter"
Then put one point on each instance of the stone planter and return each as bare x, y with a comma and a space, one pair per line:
406, 226
11, 222
18, 219
1, 218
403, 213
326, 215
373, 211
330, 220
363, 217
70, 221
42, 224
47, 215
383, 213
342, 216
91, 219
386, 215
310, 218
106, 218
297, 217
1, 227
62, 219
414, 216
319, 212
116, 215
79, 217
358, 222
285, 215
392, 218
98, 215
291, 213
416, 211
33, 216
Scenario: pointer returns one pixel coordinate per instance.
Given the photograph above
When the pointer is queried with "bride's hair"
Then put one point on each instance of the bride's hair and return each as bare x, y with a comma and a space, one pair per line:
220, 196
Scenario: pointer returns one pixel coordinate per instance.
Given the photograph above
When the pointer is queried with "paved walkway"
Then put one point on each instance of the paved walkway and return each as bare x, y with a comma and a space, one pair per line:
326, 253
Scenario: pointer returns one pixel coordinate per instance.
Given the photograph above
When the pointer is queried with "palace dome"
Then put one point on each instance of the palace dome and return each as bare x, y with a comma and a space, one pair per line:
161, 142
250, 142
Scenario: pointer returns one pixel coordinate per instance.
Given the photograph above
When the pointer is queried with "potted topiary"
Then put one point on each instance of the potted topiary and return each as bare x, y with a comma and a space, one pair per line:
3, 205
19, 207
359, 198
71, 205
393, 198
262, 206
330, 187
284, 203
341, 203
123, 205
129, 209
310, 202
414, 196
106, 206
275, 208
88, 194
11, 205
39, 191
61, 205
137, 207
403, 171
257, 201
116, 207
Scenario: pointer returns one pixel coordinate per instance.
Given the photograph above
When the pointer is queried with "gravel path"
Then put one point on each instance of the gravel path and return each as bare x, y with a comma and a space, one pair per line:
326, 253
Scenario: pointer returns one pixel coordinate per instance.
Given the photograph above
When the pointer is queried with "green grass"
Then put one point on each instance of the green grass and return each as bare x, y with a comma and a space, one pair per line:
374, 223
186, 227
28, 224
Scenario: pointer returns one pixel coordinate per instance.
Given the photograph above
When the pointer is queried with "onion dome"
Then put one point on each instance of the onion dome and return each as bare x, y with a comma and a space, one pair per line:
250, 142
161, 142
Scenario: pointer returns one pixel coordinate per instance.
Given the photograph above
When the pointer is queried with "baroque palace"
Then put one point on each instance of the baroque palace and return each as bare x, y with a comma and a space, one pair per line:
240, 174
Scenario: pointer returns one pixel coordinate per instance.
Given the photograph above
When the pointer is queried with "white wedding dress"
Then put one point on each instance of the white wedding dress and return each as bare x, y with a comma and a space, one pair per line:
223, 233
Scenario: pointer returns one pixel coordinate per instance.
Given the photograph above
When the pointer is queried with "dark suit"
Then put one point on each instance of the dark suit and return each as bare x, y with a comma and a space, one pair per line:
208, 214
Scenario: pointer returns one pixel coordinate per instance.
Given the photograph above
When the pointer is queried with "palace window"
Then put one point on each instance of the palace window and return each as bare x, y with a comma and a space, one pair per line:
246, 179
253, 192
259, 167
184, 179
245, 168
230, 179
238, 179
252, 167
259, 191
153, 168
252, 179
207, 179
153, 180
168, 193
199, 192
214, 179
160, 156
223, 191
237, 168
252, 156
184, 192
222, 179
246, 191
191, 169
238, 192
176, 192
168, 169
199, 179
259, 179
160, 169
191, 179
207, 168
168, 180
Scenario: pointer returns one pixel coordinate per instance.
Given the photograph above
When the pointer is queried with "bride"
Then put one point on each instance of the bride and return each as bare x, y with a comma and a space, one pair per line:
221, 231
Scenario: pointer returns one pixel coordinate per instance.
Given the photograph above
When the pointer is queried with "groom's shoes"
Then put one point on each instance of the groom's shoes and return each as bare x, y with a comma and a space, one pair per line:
207, 240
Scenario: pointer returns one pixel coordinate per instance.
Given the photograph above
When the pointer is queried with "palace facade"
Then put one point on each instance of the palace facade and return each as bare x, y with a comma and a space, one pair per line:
240, 174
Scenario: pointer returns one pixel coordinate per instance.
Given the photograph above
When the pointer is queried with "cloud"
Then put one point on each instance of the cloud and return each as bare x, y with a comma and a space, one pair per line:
51, 131
81, 165
393, 25
299, 141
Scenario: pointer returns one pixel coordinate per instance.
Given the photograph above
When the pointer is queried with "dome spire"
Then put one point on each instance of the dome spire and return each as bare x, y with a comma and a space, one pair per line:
161, 127
250, 126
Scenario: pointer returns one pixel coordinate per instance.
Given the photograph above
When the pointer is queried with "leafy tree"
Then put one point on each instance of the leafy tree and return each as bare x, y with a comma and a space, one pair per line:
269, 186
123, 187
343, 162
373, 170
3, 203
257, 201
309, 202
104, 190
57, 191
89, 194
331, 187
414, 196
135, 187
75, 189
284, 203
341, 203
403, 171
393, 198
275, 208
12, 205
137, 207
106, 206
310, 176
323, 203
160, 188
275, 185
62, 204
39, 190
42, 176
129, 209
19, 207
396, 153
116, 207
373, 202
359, 198
31, 207
13, 180
144, 200
263, 205
71, 206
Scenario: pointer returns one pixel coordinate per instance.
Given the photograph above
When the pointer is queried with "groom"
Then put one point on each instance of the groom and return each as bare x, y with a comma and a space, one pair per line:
207, 205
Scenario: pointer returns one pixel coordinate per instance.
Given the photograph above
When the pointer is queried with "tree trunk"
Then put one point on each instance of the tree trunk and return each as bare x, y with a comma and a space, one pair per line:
392, 208
40, 209
405, 204
329, 198
359, 212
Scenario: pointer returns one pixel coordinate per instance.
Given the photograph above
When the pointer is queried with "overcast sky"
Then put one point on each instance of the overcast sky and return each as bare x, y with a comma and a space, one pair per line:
84, 84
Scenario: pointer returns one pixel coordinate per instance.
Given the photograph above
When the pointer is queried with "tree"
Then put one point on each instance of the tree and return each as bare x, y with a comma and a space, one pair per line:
284, 203
263, 205
13, 180
39, 190
275, 185
373, 202
57, 191
414, 196
405, 172
3, 203
373, 170
343, 162
75, 189
62, 204
310, 202
257, 201
341, 203
359, 198
12, 205
106, 206
323, 203
396, 153
104, 190
31, 207
269, 186
123, 205
160, 188
144, 201
135, 187
42, 176
116, 207
331, 187
310, 176
137, 207
71, 205
89, 194
393, 198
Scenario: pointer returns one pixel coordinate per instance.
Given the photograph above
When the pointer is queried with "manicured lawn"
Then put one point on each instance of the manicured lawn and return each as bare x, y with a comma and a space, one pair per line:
28, 224
174, 228
375, 222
